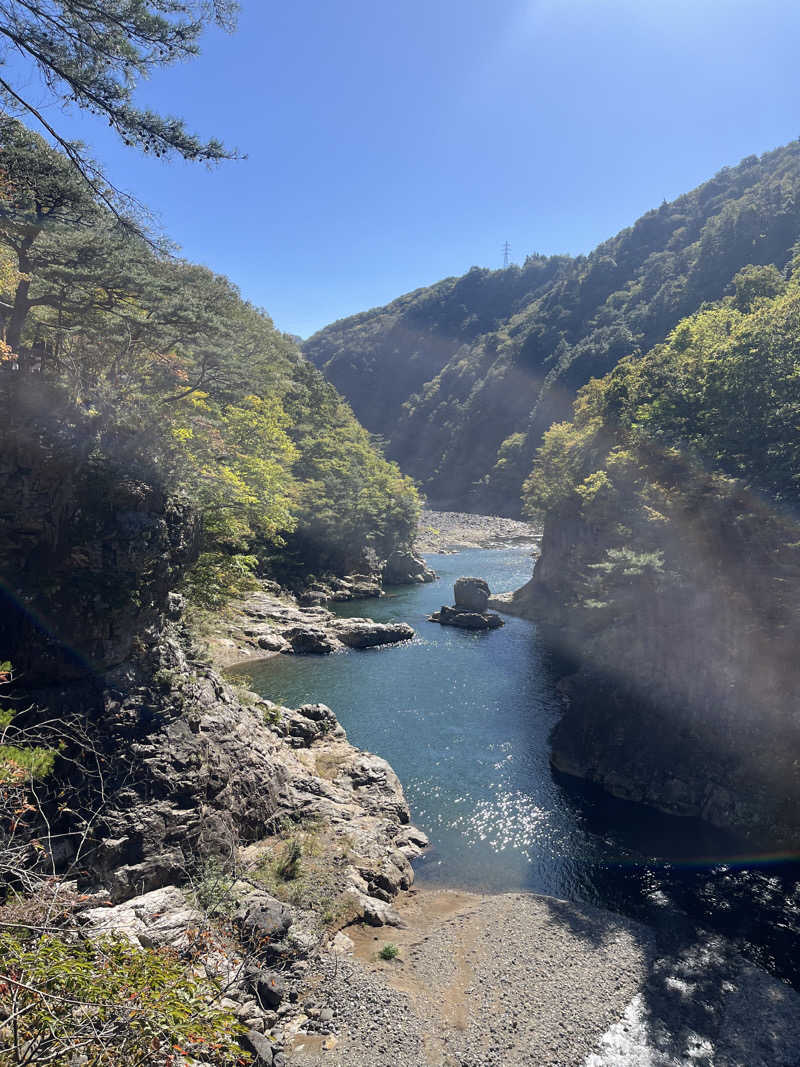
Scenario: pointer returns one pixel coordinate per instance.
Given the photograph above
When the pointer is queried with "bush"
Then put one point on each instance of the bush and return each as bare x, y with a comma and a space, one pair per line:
109, 1002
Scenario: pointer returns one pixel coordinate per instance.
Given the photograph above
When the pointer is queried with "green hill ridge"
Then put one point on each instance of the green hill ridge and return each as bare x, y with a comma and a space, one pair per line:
463, 378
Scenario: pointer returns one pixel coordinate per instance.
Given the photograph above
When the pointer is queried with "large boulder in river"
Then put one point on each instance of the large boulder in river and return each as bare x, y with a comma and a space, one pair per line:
469, 612
405, 568
467, 620
472, 594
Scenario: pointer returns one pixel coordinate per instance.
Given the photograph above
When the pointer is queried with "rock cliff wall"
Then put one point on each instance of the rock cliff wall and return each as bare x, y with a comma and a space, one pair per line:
682, 689
88, 550
161, 766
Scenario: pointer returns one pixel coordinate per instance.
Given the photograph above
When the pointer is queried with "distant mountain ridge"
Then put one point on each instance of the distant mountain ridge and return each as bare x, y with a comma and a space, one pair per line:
463, 377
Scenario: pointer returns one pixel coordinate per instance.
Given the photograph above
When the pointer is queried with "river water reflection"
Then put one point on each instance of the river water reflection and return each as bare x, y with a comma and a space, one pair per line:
464, 719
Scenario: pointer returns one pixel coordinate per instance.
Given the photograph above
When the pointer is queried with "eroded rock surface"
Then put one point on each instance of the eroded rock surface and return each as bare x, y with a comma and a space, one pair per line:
407, 568
471, 594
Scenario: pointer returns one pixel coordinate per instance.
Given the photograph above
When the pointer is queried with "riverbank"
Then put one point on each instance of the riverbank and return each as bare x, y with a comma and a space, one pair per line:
454, 531
519, 979
270, 621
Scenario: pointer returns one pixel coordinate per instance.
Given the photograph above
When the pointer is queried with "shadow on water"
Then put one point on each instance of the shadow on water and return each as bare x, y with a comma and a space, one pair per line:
464, 718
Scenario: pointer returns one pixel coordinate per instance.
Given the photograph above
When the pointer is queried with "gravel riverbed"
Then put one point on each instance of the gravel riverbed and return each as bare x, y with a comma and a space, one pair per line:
518, 979
452, 531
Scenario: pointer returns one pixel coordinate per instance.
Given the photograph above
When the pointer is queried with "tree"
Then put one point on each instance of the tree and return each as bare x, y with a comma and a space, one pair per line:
94, 52
40, 195
753, 283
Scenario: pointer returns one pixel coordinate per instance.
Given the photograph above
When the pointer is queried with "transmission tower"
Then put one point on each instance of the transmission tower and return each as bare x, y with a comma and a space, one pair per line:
506, 254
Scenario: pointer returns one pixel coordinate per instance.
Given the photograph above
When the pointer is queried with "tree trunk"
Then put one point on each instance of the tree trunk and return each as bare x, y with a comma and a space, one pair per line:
18, 315
22, 305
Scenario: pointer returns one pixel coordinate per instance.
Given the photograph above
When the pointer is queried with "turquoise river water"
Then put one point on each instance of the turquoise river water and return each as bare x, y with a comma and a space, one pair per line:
464, 719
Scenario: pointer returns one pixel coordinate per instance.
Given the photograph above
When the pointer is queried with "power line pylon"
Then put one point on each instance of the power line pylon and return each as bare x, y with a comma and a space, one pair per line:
506, 254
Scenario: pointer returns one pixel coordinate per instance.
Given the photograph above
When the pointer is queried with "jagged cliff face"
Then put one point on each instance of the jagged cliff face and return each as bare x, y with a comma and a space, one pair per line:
158, 767
683, 691
161, 767
464, 377
88, 551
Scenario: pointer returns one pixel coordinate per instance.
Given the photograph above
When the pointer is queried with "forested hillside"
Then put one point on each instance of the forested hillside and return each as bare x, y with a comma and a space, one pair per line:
123, 365
159, 437
670, 568
463, 378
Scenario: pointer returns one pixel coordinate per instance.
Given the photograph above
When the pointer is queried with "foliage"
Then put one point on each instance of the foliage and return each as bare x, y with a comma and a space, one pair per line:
699, 426
173, 379
213, 889
94, 55
389, 951
352, 506
25, 763
109, 1002
287, 865
465, 377
722, 391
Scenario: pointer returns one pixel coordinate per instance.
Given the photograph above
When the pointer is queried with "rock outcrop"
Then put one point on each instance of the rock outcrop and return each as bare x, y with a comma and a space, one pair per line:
272, 621
365, 633
406, 568
469, 613
520, 602
681, 689
88, 552
471, 594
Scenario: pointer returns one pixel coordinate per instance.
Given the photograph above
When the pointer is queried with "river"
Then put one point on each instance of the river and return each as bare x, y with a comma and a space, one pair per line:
464, 719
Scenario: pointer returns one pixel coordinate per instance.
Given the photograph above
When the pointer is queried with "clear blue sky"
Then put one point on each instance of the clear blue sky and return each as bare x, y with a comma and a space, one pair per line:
390, 145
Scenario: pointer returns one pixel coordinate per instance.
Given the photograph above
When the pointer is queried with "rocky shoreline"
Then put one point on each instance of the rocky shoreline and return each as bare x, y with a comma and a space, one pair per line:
271, 621
300, 834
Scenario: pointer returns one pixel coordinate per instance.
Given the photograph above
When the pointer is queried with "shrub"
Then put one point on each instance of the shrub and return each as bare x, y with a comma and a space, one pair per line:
109, 1002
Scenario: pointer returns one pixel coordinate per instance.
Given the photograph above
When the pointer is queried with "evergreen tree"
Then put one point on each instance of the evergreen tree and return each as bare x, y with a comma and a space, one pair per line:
93, 53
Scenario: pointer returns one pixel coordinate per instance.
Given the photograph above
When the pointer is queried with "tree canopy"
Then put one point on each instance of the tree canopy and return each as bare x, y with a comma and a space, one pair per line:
93, 53
701, 432
464, 377
174, 379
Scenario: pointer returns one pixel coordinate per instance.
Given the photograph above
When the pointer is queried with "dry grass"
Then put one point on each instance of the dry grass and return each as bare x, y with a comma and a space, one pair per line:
306, 868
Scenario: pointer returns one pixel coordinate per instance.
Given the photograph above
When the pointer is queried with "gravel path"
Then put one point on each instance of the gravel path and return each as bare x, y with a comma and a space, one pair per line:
451, 531
518, 979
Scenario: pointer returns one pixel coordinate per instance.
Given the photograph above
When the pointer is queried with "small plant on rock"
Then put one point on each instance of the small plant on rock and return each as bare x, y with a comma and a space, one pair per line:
272, 714
389, 951
287, 867
213, 889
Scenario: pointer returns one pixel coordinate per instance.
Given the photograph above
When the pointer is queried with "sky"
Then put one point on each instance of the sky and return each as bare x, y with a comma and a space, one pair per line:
391, 145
